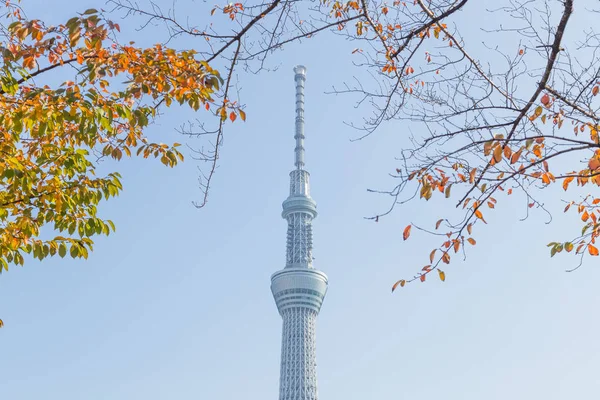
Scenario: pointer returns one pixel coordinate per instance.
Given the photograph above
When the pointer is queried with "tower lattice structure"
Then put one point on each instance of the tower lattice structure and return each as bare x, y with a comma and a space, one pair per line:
299, 288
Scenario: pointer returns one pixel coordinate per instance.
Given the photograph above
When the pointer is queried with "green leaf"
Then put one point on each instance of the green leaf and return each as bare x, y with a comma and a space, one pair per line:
62, 249
74, 250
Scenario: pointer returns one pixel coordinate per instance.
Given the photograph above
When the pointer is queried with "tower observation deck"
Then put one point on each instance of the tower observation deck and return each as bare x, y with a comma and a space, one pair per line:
299, 288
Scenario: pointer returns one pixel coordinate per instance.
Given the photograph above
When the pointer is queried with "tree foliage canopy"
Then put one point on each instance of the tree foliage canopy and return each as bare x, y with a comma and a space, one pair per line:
53, 134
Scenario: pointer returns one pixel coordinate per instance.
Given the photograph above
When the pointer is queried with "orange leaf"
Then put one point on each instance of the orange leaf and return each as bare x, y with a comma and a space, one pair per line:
422, 278
515, 157
595, 90
592, 250
472, 175
498, 154
487, 147
437, 224
566, 182
545, 179
432, 255
232, 116
469, 228
545, 99
478, 214
456, 246
446, 258
401, 282
472, 241
406, 232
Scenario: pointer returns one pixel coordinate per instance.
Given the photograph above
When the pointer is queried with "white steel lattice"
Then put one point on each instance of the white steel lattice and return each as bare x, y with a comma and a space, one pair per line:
299, 240
298, 379
299, 183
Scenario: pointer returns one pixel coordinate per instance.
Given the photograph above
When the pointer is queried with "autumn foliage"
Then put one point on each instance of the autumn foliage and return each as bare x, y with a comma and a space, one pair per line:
52, 134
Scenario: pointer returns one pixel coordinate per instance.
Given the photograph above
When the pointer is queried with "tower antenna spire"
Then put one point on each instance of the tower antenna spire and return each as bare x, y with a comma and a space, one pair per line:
300, 78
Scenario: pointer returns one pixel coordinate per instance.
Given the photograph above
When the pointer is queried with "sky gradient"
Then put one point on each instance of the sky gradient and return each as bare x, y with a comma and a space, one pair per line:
176, 304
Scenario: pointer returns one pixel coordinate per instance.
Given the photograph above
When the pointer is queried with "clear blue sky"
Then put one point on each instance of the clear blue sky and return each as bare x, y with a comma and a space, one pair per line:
176, 304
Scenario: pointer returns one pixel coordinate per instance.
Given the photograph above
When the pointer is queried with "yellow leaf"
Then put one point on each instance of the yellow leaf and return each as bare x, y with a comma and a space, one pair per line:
442, 275
538, 111
242, 115
568, 246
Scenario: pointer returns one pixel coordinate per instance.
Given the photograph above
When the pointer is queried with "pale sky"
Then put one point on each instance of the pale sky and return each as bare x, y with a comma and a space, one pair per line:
176, 304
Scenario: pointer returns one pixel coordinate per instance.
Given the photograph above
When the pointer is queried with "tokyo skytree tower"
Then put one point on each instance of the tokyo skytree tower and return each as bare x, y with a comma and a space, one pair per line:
299, 289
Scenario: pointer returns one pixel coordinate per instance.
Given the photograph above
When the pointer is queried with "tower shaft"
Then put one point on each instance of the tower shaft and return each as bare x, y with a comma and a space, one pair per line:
299, 289
298, 375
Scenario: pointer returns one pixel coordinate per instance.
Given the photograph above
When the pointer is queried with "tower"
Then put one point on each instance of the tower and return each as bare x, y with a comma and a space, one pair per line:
299, 289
